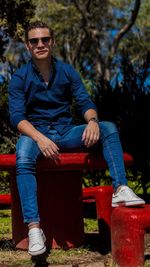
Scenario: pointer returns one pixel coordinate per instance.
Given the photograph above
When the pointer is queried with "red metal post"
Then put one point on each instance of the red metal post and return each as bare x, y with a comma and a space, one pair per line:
127, 234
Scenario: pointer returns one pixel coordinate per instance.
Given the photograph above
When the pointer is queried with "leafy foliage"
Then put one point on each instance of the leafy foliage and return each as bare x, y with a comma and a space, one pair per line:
7, 136
15, 14
137, 41
85, 32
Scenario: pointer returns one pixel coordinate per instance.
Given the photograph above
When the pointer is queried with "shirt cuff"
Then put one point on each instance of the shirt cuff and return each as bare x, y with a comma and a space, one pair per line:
15, 120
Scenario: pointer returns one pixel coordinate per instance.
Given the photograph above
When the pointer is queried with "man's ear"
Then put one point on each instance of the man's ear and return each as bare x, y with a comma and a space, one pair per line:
27, 46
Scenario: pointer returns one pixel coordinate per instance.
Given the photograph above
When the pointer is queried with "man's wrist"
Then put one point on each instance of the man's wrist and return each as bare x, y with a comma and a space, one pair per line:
94, 119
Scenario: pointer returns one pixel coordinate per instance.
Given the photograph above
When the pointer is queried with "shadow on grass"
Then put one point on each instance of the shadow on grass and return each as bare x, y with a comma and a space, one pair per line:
7, 244
40, 260
147, 257
94, 243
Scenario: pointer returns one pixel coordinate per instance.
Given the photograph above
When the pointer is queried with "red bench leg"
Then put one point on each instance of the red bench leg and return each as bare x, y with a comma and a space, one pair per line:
127, 231
60, 207
103, 199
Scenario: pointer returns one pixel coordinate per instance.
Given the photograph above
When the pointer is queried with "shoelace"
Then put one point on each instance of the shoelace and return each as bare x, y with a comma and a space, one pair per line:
130, 193
35, 237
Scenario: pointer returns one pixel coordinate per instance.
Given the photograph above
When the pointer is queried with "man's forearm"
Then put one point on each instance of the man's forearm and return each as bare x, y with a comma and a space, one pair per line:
90, 113
28, 129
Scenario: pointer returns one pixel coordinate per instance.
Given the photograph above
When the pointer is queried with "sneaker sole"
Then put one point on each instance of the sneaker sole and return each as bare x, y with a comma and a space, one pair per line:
39, 252
127, 204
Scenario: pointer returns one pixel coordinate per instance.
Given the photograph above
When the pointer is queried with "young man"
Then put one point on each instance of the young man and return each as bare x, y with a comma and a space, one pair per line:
40, 94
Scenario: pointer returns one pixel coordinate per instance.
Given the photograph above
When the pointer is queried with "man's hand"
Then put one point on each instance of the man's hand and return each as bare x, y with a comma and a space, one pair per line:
91, 134
48, 147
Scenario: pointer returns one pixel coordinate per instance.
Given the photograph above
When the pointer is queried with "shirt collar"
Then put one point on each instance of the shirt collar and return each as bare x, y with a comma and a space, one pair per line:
54, 63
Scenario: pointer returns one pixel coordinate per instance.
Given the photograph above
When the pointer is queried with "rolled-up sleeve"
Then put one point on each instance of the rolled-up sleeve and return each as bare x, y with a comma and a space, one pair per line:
16, 100
80, 94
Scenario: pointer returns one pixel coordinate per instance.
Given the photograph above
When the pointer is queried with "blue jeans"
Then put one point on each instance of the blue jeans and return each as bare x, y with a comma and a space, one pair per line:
27, 152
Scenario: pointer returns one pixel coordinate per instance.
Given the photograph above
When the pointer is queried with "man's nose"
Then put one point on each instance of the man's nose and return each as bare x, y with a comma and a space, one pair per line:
40, 43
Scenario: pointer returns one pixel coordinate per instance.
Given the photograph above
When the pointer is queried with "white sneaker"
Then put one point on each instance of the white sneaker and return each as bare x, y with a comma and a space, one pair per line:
126, 197
36, 242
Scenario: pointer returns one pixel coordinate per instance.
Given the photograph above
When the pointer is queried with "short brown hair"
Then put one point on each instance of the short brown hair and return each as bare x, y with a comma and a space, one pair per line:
35, 25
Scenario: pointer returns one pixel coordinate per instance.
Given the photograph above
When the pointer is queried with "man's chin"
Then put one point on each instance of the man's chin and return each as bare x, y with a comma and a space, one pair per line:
42, 57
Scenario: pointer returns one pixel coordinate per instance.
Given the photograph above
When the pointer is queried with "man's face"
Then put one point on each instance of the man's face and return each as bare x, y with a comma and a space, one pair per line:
39, 43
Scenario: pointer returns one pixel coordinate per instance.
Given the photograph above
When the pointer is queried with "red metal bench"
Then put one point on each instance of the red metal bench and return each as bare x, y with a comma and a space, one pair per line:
60, 198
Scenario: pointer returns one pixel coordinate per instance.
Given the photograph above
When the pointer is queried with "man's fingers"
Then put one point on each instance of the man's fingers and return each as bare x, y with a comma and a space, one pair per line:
90, 136
91, 139
96, 137
84, 135
87, 139
51, 151
55, 147
50, 154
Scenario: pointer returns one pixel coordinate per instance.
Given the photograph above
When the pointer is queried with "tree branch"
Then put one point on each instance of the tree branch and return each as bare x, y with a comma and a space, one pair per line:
125, 28
91, 33
83, 8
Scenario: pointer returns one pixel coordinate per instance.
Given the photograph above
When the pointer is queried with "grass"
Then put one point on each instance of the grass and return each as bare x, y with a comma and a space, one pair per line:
5, 224
90, 225
15, 258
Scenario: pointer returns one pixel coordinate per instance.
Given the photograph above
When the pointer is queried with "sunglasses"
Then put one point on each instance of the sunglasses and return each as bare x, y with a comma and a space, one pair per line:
35, 41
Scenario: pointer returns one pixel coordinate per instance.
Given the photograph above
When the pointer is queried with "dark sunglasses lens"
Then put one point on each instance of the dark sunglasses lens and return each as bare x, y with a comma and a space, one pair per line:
45, 40
34, 41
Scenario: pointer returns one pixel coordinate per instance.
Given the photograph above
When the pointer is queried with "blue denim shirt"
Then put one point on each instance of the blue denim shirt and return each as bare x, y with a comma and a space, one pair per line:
46, 106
